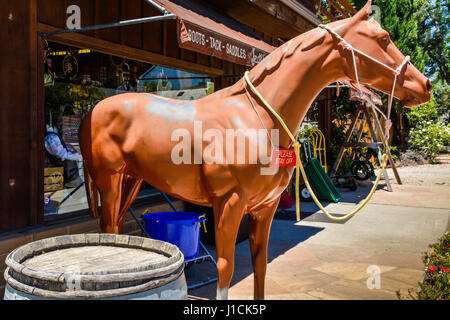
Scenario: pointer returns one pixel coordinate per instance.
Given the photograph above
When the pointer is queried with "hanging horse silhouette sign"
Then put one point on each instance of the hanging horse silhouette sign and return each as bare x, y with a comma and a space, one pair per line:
216, 151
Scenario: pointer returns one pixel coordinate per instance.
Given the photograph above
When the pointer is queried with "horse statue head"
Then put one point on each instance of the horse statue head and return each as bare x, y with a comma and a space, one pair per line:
356, 50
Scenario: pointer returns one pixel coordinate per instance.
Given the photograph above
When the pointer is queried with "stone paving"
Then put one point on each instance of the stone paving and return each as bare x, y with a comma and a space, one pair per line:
314, 271
320, 259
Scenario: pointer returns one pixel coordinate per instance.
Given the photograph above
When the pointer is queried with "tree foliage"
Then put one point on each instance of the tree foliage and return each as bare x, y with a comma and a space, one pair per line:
400, 19
433, 23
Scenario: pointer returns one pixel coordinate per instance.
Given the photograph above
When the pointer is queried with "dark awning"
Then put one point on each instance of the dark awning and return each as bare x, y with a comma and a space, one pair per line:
204, 30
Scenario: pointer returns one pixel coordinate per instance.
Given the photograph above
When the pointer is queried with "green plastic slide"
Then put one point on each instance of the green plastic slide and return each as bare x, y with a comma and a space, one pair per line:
320, 182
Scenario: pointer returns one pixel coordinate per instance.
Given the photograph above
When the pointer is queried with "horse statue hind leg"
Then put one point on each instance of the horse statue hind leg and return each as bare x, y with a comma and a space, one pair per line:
130, 189
117, 187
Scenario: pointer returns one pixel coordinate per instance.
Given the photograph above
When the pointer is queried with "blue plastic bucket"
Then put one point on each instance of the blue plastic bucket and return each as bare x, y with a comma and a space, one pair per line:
179, 228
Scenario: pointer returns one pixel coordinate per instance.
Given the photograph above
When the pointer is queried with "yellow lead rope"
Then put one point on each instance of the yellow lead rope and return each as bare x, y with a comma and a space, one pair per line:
299, 166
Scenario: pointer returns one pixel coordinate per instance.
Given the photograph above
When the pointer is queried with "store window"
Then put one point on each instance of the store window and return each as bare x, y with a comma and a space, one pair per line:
75, 80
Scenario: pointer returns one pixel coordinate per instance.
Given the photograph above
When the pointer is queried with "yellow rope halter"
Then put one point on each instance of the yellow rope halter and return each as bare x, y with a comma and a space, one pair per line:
299, 166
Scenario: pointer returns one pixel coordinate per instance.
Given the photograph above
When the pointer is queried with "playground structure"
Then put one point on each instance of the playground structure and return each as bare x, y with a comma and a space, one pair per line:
317, 176
126, 139
368, 115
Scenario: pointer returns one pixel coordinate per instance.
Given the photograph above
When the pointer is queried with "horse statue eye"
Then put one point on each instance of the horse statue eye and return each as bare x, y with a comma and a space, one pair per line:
385, 41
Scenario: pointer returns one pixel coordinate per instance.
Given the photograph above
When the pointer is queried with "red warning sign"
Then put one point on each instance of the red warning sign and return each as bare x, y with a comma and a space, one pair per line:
283, 157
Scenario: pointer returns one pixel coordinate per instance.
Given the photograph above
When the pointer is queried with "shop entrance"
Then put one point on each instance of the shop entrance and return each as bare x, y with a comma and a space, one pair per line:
75, 80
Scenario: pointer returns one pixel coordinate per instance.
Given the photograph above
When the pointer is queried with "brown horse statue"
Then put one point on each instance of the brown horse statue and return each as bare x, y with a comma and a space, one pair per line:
129, 138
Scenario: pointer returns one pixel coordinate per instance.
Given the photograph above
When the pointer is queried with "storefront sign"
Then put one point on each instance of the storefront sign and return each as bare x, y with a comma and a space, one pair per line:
199, 39
70, 66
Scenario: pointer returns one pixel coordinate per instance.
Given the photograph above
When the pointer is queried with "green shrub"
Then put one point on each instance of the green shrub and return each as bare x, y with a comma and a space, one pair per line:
429, 138
436, 283
423, 113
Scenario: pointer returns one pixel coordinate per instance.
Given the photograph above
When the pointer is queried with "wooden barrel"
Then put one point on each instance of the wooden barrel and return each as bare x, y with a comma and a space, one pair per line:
95, 266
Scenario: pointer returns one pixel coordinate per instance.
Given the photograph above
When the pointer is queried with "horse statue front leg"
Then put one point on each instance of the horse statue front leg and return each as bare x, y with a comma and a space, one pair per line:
259, 223
228, 213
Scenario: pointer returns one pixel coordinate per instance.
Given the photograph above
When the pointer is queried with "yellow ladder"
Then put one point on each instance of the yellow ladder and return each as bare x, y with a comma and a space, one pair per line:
317, 140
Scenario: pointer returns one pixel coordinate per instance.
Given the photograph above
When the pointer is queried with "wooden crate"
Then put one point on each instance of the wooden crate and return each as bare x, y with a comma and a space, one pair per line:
53, 179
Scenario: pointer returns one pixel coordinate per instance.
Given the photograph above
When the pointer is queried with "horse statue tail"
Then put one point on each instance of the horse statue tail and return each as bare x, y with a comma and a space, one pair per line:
91, 192
84, 134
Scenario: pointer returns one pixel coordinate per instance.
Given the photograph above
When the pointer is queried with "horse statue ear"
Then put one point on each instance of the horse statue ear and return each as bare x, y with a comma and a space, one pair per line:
363, 14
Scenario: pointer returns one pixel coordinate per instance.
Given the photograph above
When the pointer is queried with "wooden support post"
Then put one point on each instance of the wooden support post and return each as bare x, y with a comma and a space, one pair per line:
386, 146
380, 156
360, 132
348, 134
374, 144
